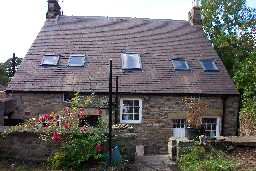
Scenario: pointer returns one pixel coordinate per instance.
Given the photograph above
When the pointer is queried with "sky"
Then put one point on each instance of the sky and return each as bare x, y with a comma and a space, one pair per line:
21, 20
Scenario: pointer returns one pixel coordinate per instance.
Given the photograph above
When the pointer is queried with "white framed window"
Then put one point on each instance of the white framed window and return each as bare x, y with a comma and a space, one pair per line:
130, 110
76, 60
208, 65
131, 61
50, 59
180, 64
212, 126
179, 127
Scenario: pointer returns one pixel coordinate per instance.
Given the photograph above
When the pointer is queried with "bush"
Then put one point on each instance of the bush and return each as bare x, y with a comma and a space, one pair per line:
79, 143
199, 158
82, 149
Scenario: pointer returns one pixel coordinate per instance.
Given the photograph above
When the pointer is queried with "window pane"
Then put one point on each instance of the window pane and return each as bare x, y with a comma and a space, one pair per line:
136, 103
131, 61
136, 117
208, 65
178, 123
125, 117
50, 60
130, 117
76, 60
136, 109
180, 64
128, 102
127, 109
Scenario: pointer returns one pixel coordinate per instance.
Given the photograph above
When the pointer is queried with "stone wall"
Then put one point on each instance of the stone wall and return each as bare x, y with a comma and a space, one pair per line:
37, 103
157, 114
27, 147
230, 122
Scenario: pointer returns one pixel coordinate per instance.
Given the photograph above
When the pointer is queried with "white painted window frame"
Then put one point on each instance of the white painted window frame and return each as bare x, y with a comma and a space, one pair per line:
218, 126
140, 111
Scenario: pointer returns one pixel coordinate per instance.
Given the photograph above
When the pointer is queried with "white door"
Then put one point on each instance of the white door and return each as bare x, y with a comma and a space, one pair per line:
179, 128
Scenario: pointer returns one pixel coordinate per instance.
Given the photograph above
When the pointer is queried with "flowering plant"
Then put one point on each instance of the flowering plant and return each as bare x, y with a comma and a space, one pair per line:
79, 142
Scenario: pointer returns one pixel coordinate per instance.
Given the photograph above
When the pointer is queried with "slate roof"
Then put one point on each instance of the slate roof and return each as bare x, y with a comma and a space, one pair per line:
102, 38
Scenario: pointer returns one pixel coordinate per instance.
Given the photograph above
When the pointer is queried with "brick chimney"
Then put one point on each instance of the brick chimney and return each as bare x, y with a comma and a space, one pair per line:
194, 16
53, 9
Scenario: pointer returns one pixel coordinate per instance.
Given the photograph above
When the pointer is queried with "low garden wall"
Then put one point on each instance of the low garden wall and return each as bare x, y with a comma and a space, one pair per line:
177, 146
27, 147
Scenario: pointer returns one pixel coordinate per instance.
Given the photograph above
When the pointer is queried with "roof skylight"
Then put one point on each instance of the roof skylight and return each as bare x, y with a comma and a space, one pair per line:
76, 60
209, 65
180, 64
131, 61
50, 60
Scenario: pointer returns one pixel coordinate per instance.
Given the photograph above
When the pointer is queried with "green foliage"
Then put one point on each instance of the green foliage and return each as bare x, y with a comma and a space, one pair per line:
6, 71
245, 79
4, 79
228, 24
200, 158
79, 151
78, 144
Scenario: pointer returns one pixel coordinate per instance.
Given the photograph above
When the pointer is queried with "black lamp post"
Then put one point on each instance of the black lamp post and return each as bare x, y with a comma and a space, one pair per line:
110, 113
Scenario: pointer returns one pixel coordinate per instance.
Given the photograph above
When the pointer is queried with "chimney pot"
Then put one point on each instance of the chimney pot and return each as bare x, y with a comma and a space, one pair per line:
53, 9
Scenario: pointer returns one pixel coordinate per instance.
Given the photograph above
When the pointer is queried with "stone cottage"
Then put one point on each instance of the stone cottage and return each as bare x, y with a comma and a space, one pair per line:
158, 61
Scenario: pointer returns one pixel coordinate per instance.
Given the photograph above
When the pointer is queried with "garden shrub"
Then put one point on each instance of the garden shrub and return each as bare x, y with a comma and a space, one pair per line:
200, 158
79, 144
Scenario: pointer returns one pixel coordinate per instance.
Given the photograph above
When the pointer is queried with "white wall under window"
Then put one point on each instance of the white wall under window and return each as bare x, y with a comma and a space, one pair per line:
130, 110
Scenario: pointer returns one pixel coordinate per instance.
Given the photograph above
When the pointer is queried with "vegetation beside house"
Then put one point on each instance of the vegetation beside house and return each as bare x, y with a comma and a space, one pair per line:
231, 28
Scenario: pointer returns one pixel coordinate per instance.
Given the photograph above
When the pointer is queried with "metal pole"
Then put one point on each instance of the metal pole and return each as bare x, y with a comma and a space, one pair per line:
13, 64
110, 113
116, 102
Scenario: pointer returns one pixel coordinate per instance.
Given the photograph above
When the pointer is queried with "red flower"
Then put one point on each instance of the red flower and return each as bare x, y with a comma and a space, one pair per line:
66, 125
56, 136
82, 112
99, 148
45, 125
46, 116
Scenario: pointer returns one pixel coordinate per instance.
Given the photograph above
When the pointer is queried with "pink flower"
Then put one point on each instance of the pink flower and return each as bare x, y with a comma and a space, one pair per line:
67, 110
99, 111
56, 136
99, 148
83, 129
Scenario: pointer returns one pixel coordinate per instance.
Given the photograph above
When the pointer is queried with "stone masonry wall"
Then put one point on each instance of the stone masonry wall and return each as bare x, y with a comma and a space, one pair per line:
157, 114
230, 118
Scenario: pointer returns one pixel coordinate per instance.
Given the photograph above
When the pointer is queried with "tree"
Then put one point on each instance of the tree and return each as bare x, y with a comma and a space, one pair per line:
3, 75
228, 24
245, 79
6, 70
